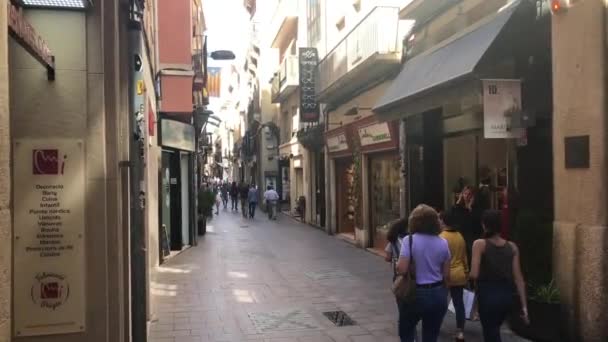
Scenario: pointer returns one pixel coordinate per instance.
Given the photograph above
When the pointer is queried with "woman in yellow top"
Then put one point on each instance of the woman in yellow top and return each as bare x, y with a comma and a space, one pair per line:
459, 269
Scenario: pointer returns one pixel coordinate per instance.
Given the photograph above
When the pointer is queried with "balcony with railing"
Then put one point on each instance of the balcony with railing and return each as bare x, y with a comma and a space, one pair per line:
198, 66
286, 79
284, 22
369, 52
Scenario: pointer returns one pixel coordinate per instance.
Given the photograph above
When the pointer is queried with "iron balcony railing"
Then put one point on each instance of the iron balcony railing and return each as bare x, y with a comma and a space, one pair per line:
376, 34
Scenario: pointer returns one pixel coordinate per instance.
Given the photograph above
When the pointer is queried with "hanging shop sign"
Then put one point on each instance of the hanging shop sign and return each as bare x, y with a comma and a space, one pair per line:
375, 134
501, 104
337, 143
27, 36
49, 249
309, 106
177, 135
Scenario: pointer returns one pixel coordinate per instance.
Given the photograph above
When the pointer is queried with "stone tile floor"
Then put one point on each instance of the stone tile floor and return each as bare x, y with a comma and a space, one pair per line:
255, 280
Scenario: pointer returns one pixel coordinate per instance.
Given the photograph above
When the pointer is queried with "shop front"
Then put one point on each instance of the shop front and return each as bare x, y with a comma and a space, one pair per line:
176, 186
381, 177
482, 123
345, 184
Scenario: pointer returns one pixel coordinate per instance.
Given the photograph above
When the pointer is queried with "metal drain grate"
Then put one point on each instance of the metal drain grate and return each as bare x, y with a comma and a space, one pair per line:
339, 318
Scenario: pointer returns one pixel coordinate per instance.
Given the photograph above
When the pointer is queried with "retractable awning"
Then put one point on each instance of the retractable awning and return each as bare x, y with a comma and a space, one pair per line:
452, 60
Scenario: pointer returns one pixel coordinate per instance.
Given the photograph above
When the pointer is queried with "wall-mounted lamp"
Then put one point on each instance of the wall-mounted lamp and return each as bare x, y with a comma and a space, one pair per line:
355, 110
561, 6
58, 4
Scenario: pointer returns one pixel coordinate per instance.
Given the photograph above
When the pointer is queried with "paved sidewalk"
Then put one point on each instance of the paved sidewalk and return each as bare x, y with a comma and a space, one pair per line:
272, 281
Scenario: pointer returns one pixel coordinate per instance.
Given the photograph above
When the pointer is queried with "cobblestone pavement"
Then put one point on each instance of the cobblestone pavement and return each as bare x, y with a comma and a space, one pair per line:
272, 281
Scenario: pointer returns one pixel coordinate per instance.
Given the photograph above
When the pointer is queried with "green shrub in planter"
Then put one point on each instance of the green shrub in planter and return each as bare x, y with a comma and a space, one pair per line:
544, 314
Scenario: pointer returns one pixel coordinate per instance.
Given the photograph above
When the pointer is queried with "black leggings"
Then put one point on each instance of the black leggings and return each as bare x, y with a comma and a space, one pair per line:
456, 293
495, 302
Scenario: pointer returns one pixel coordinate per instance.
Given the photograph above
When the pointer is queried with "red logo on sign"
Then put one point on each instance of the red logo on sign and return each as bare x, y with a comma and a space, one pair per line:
46, 162
51, 290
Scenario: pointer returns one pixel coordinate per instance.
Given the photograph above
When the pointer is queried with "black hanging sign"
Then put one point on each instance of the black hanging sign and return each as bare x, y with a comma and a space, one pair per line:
309, 107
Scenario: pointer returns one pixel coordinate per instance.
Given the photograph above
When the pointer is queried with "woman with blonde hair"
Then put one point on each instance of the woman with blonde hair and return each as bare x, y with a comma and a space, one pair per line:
427, 255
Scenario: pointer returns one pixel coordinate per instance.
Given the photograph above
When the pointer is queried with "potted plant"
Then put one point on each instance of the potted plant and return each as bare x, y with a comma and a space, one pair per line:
534, 237
206, 200
544, 313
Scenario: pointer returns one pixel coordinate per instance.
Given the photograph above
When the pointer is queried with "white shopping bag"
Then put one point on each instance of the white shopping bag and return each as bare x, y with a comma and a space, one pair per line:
468, 298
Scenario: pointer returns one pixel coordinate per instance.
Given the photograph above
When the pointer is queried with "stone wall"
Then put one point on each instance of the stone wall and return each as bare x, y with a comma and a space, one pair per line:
581, 218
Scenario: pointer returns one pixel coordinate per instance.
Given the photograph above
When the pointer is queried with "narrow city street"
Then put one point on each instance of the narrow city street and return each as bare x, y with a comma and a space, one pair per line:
255, 280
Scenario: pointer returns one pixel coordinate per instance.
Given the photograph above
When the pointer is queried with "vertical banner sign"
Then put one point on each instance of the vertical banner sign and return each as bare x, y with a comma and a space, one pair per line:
501, 106
309, 107
49, 255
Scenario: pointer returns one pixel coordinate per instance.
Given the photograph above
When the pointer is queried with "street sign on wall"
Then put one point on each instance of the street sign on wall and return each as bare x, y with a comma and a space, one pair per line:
309, 106
49, 249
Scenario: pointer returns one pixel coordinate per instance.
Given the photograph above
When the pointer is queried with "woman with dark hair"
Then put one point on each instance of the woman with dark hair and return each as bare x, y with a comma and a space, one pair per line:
459, 267
496, 269
429, 257
396, 231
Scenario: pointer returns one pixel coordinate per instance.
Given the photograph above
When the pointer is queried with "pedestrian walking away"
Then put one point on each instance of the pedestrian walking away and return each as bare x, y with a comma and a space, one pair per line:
218, 200
396, 232
225, 189
459, 268
234, 196
496, 269
430, 258
252, 197
271, 197
243, 196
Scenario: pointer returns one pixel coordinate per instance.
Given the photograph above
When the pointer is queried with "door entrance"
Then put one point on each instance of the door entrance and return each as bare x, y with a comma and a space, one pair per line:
345, 219
384, 188
184, 199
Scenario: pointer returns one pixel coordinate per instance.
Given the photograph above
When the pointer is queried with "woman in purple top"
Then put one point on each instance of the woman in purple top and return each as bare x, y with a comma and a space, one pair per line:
431, 258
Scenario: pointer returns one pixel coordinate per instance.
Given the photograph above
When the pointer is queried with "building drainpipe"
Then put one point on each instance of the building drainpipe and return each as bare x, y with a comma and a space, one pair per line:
136, 139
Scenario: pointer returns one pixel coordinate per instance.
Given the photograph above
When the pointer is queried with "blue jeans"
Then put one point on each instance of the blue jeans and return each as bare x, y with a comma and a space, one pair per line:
429, 306
495, 303
252, 206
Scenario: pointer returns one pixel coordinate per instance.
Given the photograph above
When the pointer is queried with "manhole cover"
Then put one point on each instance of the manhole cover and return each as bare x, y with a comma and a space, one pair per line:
339, 318
283, 320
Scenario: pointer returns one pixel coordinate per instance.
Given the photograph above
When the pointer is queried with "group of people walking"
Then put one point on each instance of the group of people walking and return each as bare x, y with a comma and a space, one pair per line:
248, 197
430, 248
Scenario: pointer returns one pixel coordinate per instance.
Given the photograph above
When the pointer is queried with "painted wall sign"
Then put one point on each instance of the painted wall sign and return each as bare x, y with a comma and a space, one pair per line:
375, 134
501, 103
49, 249
309, 106
337, 143
27, 36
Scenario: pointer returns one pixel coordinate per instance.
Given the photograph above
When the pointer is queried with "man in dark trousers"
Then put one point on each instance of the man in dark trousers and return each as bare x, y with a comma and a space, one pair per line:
244, 197
234, 196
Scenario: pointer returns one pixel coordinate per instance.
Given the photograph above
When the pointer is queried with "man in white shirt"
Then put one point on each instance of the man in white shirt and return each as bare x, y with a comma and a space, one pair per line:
271, 197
